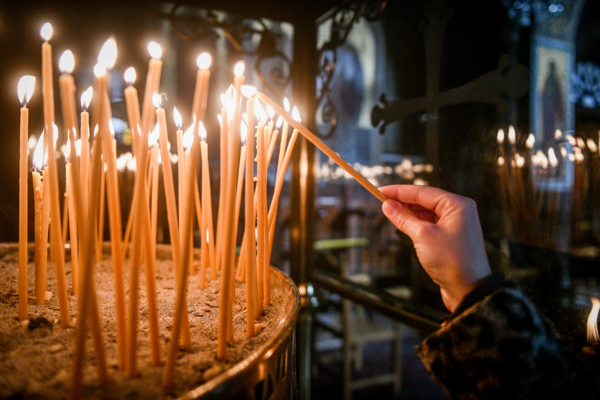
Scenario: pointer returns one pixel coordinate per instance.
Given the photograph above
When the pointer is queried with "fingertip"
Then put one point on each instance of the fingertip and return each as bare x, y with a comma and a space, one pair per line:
390, 207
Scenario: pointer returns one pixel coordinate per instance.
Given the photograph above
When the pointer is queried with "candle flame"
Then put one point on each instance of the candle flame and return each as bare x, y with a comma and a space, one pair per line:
512, 135
111, 128
153, 137
131, 164
155, 50
580, 143
530, 141
220, 120
552, 158
270, 111
156, 100
204, 61
520, 161
99, 70
571, 157
95, 130
571, 140
31, 142
25, 89
177, 118
500, 136
46, 31
501, 161
557, 134
78, 147
130, 76
86, 98
260, 113
66, 63
188, 137
592, 322
296, 114
279, 122
592, 145
248, 91
108, 54
202, 131
563, 151
239, 68
244, 133
579, 157
286, 104
38, 154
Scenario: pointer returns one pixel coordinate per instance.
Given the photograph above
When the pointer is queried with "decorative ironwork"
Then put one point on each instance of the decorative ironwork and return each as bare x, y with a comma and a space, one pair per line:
585, 85
342, 20
272, 65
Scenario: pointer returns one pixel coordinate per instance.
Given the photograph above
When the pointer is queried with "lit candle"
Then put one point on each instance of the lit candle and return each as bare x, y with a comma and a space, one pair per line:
152, 85
24, 91
250, 255
51, 177
133, 104
201, 90
207, 219
70, 199
86, 98
284, 132
261, 215
225, 302
226, 113
180, 165
38, 160
180, 305
107, 58
273, 139
43, 192
171, 204
66, 83
324, 148
153, 145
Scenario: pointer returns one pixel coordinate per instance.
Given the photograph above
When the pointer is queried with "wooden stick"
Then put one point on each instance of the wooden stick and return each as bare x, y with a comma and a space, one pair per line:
323, 147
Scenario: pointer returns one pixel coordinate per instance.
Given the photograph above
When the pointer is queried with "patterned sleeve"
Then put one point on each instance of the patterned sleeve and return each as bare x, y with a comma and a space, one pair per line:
502, 348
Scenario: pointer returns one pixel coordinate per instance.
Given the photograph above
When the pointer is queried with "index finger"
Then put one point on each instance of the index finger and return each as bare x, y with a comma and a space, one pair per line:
431, 198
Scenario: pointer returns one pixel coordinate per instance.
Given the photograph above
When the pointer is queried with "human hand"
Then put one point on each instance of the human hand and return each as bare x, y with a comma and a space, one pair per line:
446, 232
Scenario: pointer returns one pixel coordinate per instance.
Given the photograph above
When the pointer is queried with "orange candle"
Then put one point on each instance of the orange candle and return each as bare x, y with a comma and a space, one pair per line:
207, 233
84, 164
51, 172
154, 210
41, 192
201, 90
261, 188
67, 91
73, 227
180, 305
133, 106
24, 90
37, 196
323, 147
152, 85
227, 101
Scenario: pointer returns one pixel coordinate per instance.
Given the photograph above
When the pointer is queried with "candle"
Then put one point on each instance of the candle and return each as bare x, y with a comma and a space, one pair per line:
180, 166
152, 85
133, 105
86, 98
261, 215
171, 205
323, 147
180, 307
66, 83
38, 157
250, 248
207, 219
273, 139
225, 302
25, 91
153, 144
226, 111
43, 192
201, 90
51, 172
73, 226
284, 132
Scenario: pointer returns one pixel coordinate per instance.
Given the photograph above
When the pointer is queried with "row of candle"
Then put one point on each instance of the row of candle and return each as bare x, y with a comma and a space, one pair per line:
90, 170
531, 191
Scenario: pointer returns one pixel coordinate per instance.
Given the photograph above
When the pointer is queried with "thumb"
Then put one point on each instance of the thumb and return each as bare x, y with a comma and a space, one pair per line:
402, 217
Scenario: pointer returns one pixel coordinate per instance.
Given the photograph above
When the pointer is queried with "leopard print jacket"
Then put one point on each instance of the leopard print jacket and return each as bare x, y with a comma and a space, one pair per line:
502, 348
